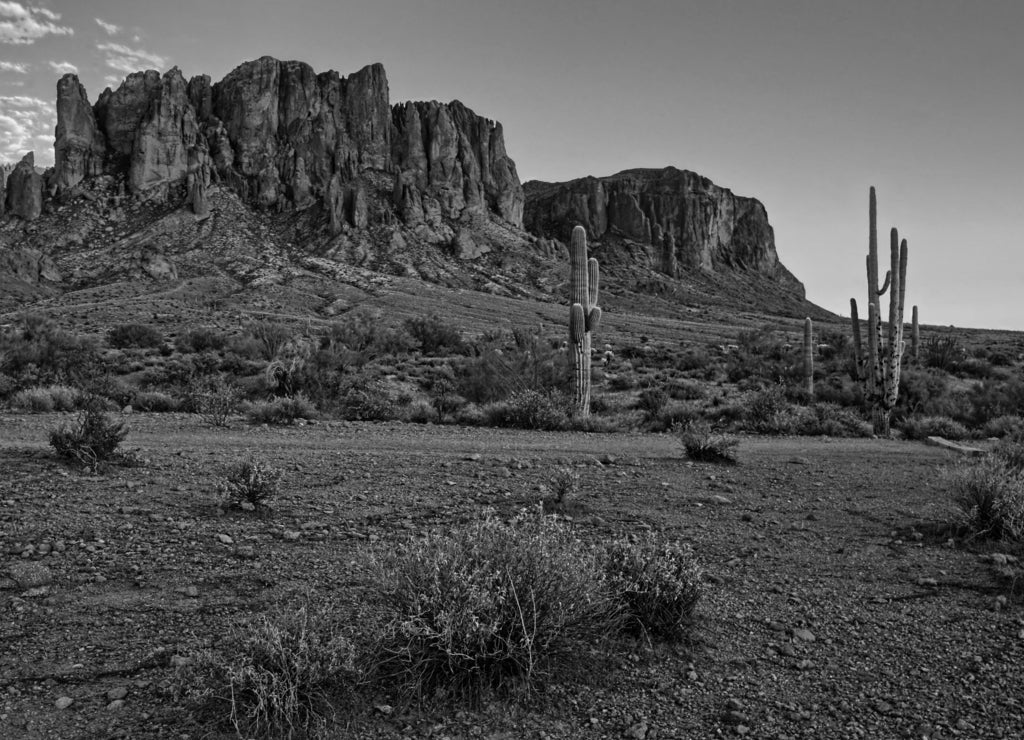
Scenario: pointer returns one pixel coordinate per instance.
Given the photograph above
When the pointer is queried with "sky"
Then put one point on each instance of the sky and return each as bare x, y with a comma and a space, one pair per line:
802, 104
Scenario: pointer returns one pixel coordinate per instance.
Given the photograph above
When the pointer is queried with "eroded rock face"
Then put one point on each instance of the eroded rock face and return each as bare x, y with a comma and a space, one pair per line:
708, 226
454, 158
80, 147
24, 190
287, 138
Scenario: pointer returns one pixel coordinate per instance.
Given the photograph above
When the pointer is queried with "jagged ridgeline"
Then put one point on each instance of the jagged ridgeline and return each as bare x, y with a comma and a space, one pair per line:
416, 189
282, 136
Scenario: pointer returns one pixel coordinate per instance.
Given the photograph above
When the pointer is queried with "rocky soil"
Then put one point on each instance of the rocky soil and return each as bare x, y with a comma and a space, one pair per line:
832, 611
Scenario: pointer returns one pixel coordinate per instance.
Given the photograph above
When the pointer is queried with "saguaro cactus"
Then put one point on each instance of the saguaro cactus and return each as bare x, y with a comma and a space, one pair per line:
808, 357
880, 369
915, 336
584, 316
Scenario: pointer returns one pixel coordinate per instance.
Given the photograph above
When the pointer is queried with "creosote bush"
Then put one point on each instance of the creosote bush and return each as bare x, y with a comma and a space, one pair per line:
990, 493
493, 608
250, 484
285, 410
703, 445
92, 439
282, 675
123, 336
566, 484
658, 582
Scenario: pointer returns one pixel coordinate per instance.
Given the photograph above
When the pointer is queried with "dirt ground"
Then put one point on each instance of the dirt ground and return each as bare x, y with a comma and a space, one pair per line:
832, 610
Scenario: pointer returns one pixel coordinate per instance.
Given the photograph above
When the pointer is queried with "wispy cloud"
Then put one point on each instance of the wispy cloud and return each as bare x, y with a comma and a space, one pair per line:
113, 81
128, 60
62, 68
24, 24
110, 28
19, 67
24, 122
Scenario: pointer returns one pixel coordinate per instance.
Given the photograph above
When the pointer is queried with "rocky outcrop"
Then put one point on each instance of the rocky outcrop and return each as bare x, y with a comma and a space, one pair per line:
452, 161
688, 221
24, 190
167, 138
79, 147
284, 137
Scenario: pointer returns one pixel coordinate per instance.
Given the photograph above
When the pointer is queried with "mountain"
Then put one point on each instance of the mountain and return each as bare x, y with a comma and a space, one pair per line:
278, 172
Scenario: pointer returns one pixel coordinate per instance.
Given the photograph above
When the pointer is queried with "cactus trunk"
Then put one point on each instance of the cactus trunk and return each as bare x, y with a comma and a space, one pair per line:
584, 316
808, 358
880, 369
915, 337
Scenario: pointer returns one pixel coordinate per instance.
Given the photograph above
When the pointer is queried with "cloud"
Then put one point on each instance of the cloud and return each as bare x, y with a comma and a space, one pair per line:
110, 28
62, 68
113, 81
128, 60
25, 121
19, 67
23, 24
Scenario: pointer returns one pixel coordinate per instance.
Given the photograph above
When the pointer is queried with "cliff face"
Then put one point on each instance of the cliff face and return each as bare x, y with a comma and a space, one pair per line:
686, 220
284, 137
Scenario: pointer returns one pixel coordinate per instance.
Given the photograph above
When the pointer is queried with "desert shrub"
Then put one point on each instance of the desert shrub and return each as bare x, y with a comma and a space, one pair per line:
123, 336
8, 385
532, 409
565, 483
1003, 426
1010, 452
991, 399
111, 387
286, 410
658, 582
621, 382
278, 676
39, 354
201, 339
687, 390
214, 399
693, 359
444, 399
155, 401
652, 401
921, 427
672, 416
92, 439
361, 398
488, 377
49, 398
922, 392
363, 334
832, 420
432, 336
839, 391
990, 496
250, 484
943, 352
270, 336
764, 408
703, 445
493, 607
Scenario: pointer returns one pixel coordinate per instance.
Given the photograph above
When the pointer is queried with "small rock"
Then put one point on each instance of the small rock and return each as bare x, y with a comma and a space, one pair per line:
115, 705
225, 539
734, 717
118, 693
179, 660
246, 552
928, 582
883, 707
384, 709
636, 731
803, 635
291, 535
190, 591
64, 702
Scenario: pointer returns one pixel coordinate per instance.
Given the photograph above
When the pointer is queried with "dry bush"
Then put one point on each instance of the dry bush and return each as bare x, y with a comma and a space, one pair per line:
493, 607
49, 398
990, 494
250, 484
279, 676
92, 439
703, 445
285, 410
659, 584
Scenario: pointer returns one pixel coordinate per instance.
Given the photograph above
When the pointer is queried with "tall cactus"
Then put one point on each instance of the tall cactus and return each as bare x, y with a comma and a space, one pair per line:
808, 357
915, 336
880, 369
584, 316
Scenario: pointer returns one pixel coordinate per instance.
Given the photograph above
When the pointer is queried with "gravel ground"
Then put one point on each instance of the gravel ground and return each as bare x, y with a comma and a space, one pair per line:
833, 611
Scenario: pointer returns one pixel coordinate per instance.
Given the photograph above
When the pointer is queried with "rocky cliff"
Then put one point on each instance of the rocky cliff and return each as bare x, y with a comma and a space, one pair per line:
284, 137
684, 220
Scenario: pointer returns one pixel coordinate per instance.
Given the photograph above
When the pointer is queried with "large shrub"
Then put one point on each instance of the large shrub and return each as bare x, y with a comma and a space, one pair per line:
433, 336
532, 409
492, 607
